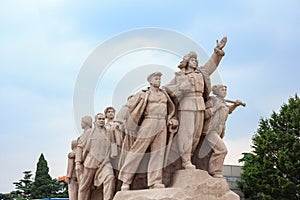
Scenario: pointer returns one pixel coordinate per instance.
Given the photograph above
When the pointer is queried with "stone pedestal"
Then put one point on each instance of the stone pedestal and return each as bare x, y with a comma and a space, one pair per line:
151, 194
186, 185
198, 184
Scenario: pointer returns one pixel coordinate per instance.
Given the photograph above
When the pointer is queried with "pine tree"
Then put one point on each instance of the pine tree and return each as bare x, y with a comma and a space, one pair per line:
42, 185
6, 197
24, 185
271, 171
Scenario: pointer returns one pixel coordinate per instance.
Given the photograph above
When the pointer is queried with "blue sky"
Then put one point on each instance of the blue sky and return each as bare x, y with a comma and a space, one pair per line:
45, 43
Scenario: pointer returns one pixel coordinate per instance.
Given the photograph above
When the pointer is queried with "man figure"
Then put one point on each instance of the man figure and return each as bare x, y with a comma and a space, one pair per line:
80, 154
110, 115
97, 168
153, 110
113, 132
216, 114
191, 87
71, 174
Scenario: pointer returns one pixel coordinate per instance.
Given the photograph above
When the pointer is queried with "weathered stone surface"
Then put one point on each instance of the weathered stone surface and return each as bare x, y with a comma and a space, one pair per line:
198, 184
187, 185
152, 194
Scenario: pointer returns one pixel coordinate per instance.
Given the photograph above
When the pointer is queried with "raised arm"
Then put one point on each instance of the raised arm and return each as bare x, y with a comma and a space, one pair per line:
211, 65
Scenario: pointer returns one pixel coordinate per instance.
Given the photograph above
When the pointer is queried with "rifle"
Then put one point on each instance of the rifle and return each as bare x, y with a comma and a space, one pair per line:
235, 102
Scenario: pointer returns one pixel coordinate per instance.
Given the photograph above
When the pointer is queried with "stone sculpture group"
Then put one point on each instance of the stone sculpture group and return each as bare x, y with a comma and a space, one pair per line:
158, 137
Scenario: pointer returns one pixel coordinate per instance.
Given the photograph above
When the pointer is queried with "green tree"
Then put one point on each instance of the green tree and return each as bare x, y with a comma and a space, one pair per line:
59, 189
6, 196
271, 170
23, 186
43, 184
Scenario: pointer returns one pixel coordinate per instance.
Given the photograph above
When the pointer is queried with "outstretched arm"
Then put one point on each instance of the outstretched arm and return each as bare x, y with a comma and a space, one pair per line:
211, 65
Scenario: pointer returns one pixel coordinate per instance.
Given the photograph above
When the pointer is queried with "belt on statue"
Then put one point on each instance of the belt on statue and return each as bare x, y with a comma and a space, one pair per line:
155, 117
194, 94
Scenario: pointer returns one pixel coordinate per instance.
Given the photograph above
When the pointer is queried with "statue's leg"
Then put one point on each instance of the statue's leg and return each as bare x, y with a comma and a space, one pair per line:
156, 160
186, 136
86, 183
219, 151
135, 155
73, 189
108, 187
199, 120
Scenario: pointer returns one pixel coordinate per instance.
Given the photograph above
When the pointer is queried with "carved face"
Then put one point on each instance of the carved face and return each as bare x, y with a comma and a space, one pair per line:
86, 122
100, 120
155, 81
83, 124
110, 114
222, 92
193, 63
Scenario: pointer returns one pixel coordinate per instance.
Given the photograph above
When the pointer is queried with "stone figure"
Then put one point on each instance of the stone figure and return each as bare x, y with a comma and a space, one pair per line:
123, 119
110, 116
191, 87
97, 170
152, 110
113, 131
71, 174
86, 125
115, 135
139, 145
216, 114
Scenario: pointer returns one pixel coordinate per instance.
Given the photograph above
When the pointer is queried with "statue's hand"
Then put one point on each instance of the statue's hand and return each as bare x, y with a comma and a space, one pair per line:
173, 123
116, 126
239, 103
68, 180
222, 43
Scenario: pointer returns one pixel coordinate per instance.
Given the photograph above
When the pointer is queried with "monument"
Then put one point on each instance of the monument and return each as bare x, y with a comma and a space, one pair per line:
164, 143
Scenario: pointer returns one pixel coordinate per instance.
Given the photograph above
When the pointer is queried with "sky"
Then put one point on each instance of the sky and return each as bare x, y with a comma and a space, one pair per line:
45, 45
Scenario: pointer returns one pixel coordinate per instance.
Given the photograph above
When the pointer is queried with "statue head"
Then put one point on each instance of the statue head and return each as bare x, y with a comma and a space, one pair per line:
74, 144
109, 112
86, 121
189, 59
100, 120
155, 79
219, 90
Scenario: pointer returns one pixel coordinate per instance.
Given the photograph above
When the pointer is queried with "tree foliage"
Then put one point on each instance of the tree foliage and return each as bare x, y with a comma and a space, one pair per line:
23, 186
59, 189
271, 171
6, 196
43, 184
42, 187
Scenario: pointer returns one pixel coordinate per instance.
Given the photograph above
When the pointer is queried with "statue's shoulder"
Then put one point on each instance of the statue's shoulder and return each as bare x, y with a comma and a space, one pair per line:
88, 131
143, 93
210, 101
163, 90
212, 98
199, 69
179, 73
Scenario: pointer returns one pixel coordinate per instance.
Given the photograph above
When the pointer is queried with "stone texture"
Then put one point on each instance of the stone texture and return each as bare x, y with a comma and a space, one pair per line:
148, 122
151, 194
198, 184
187, 185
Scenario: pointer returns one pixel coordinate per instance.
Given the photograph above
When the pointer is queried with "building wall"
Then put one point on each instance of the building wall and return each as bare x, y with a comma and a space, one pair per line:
232, 174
